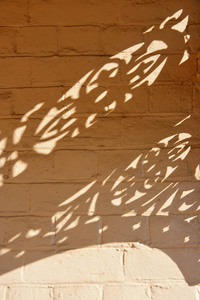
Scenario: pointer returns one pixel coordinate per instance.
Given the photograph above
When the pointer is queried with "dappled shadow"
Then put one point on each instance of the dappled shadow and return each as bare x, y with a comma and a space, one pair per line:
83, 174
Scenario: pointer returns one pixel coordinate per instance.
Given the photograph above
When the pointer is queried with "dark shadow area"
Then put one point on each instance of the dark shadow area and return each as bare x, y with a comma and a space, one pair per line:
79, 178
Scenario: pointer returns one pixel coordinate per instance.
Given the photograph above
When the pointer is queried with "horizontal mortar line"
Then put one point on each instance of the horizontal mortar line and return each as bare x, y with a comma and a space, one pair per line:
112, 115
176, 180
124, 214
70, 84
99, 181
97, 148
117, 84
61, 55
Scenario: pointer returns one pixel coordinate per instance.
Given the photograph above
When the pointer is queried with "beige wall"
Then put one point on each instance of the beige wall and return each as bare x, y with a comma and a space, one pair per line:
99, 150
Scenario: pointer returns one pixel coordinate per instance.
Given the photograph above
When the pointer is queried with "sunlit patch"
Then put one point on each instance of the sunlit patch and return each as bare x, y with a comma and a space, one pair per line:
108, 177
32, 233
149, 29
186, 38
117, 182
1, 180
183, 155
93, 84
117, 201
183, 136
2, 162
127, 53
13, 156
89, 122
30, 112
18, 133
64, 239
20, 254
93, 220
197, 172
136, 196
75, 132
147, 184
156, 45
100, 97
93, 203
152, 76
136, 226
18, 168
111, 106
185, 57
78, 194
74, 92
165, 229
185, 193
181, 26
4, 251
185, 207
169, 171
134, 163
11, 240
188, 220
73, 224
3, 143
150, 168
165, 141
186, 239
179, 123
69, 123
48, 146
128, 96
174, 16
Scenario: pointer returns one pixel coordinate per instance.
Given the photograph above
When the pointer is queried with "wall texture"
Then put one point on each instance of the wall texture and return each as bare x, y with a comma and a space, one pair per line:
99, 149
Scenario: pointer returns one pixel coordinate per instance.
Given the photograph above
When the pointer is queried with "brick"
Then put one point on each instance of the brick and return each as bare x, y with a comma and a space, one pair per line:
175, 291
174, 72
15, 72
77, 292
125, 292
14, 198
173, 231
76, 13
27, 232
24, 100
176, 264
132, 12
49, 197
75, 40
5, 103
52, 71
7, 41
75, 165
37, 40
123, 229
28, 292
13, 13
77, 231
171, 99
75, 266
115, 164
154, 129
118, 38
25, 169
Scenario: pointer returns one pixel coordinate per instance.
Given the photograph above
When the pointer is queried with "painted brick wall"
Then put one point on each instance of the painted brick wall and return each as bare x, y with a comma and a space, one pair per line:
99, 149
